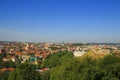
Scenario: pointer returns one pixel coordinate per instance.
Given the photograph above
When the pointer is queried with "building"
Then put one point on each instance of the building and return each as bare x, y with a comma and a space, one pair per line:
78, 53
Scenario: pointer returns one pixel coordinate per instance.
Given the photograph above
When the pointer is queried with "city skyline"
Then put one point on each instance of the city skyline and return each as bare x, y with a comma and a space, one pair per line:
60, 20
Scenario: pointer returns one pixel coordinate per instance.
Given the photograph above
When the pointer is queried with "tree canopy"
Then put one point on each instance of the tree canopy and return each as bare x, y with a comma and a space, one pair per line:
63, 66
25, 72
107, 68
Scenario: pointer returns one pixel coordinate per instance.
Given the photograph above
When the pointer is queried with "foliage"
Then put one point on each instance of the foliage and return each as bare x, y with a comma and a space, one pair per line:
1, 58
63, 66
54, 48
7, 64
107, 68
25, 72
111, 67
56, 59
4, 75
45, 75
77, 44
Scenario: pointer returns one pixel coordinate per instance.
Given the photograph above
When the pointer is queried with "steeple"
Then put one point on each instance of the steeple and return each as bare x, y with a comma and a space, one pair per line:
27, 45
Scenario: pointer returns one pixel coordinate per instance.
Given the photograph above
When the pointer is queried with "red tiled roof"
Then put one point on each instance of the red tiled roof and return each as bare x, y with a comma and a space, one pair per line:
37, 54
7, 69
44, 55
3, 69
18, 53
45, 69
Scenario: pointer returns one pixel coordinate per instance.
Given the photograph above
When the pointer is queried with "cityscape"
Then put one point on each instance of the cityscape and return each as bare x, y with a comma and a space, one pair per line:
15, 53
59, 40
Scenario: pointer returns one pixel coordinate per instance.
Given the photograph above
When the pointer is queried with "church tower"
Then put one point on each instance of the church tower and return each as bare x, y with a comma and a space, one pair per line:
27, 46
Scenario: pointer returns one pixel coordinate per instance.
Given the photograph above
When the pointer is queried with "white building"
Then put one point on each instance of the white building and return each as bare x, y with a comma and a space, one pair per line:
78, 53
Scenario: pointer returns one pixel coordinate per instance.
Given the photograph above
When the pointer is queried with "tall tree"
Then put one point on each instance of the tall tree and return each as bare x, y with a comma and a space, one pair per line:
25, 72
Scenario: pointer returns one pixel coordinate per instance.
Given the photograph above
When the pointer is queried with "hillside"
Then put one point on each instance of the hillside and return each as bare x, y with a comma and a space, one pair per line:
93, 55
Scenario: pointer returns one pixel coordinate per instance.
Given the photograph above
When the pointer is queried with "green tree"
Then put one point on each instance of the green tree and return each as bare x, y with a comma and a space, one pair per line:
4, 75
76, 69
7, 64
25, 72
45, 75
111, 67
56, 59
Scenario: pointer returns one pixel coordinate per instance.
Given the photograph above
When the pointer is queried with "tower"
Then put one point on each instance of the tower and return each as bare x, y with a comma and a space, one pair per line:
27, 46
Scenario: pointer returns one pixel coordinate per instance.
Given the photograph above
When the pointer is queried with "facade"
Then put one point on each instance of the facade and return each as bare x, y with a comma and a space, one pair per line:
78, 53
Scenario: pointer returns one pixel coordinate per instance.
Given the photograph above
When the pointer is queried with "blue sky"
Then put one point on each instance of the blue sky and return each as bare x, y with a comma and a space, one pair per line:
60, 20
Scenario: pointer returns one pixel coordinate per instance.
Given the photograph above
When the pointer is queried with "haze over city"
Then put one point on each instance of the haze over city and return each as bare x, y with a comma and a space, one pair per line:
60, 20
